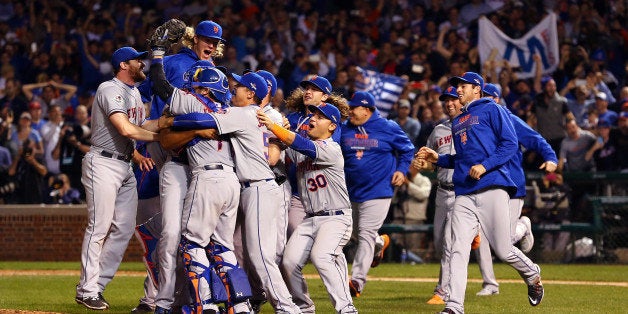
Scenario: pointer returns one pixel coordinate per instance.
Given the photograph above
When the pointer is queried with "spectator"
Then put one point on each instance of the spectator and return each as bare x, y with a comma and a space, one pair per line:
29, 172
73, 144
6, 130
576, 150
13, 97
34, 108
51, 94
580, 105
409, 207
551, 204
601, 106
408, 124
61, 192
605, 148
551, 111
50, 134
620, 136
25, 131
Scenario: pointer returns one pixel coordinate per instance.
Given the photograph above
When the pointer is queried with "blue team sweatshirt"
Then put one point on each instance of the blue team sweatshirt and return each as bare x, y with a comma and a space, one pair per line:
174, 67
483, 134
372, 153
530, 140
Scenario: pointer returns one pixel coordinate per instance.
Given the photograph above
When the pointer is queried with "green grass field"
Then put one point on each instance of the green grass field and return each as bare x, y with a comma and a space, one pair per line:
393, 288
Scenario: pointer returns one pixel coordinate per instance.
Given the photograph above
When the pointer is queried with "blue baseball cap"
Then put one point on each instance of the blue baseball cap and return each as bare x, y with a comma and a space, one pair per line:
254, 82
364, 99
125, 54
491, 90
318, 81
449, 92
623, 115
209, 29
468, 77
270, 79
603, 123
328, 110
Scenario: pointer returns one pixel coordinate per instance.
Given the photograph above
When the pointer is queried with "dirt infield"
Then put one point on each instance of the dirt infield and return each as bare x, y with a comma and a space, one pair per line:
399, 279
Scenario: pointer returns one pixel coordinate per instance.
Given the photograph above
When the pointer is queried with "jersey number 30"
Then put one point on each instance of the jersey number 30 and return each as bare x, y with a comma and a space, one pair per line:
315, 183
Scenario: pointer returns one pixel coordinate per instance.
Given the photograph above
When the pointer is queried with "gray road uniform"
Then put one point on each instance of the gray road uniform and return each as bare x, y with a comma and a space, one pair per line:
441, 141
260, 199
211, 203
110, 187
327, 228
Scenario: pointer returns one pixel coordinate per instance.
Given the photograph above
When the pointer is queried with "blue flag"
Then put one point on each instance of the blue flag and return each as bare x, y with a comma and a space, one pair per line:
384, 87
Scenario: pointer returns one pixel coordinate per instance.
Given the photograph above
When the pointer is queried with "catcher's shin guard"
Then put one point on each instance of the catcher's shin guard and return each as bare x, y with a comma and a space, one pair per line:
217, 291
233, 278
149, 244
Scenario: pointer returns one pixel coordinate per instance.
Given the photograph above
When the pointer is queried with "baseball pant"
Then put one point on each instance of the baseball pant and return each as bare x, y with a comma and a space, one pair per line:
173, 184
482, 210
111, 195
368, 217
320, 239
444, 204
260, 203
283, 220
296, 214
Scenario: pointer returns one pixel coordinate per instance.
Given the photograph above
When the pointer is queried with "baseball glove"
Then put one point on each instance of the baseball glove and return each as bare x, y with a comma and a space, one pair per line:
165, 35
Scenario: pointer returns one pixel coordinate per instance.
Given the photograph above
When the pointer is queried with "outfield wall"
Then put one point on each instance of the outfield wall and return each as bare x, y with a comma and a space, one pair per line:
47, 233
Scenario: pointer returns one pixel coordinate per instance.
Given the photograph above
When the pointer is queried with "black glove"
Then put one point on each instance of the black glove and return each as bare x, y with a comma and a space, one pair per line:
166, 35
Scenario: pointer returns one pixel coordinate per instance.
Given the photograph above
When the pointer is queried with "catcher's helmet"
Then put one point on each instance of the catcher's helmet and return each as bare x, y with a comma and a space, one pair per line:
210, 77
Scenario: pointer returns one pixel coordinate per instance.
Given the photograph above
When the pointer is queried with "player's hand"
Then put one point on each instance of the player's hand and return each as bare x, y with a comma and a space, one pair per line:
477, 171
264, 119
427, 154
421, 164
211, 134
165, 122
145, 164
286, 123
398, 178
549, 166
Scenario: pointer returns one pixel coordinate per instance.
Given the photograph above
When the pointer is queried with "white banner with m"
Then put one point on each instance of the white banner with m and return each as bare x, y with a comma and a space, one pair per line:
542, 39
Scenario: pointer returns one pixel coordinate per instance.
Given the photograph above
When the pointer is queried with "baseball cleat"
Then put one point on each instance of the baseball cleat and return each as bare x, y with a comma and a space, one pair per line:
92, 303
102, 297
475, 244
436, 300
379, 250
536, 292
447, 311
527, 241
142, 308
353, 288
486, 291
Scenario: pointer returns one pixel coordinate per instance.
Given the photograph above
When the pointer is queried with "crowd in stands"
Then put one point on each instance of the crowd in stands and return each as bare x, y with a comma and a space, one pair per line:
54, 54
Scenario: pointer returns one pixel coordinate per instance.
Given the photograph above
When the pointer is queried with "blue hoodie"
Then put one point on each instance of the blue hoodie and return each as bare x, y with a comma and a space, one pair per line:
174, 66
530, 140
483, 134
372, 153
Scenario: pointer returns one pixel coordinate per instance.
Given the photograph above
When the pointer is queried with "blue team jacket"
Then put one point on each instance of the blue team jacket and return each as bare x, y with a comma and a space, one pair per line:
174, 67
483, 134
372, 153
530, 140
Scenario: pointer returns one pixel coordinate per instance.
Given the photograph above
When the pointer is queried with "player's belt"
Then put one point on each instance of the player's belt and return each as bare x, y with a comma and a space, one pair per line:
248, 184
326, 213
217, 167
446, 186
107, 154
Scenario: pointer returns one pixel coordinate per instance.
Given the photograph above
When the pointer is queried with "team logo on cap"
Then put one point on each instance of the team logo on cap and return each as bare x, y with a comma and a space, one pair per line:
215, 29
253, 86
450, 89
364, 102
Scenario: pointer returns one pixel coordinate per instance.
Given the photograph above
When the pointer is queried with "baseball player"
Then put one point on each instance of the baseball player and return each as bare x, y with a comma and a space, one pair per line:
147, 229
484, 140
368, 140
260, 194
110, 186
520, 226
322, 235
202, 43
440, 140
208, 217
314, 90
